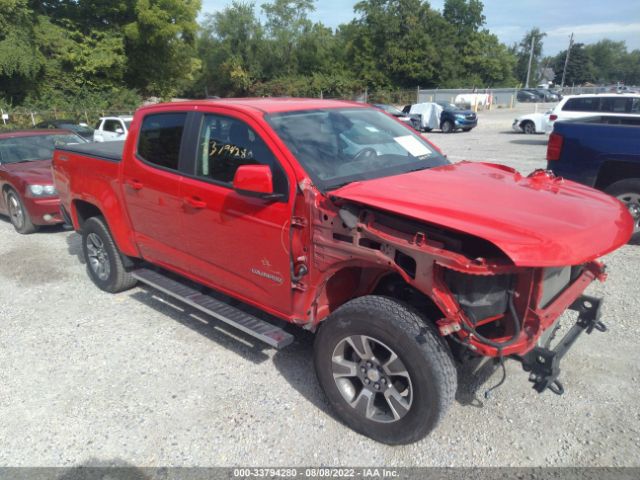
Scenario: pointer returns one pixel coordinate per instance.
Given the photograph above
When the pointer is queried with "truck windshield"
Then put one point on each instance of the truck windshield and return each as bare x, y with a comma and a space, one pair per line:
340, 146
33, 147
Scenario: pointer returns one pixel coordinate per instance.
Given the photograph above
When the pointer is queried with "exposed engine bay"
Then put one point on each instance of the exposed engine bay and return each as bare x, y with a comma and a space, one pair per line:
480, 298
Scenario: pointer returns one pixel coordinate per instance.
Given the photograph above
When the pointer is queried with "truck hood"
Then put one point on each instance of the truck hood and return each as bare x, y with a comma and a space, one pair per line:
537, 221
37, 171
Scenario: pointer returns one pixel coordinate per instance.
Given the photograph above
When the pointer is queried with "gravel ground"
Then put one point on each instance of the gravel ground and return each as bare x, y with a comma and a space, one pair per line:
91, 378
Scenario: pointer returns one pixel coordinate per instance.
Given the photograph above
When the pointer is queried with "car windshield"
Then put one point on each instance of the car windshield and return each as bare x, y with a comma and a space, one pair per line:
339, 146
34, 147
127, 123
448, 106
391, 110
76, 128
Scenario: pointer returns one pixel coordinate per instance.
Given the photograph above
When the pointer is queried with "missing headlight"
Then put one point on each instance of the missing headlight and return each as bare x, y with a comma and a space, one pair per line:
480, 296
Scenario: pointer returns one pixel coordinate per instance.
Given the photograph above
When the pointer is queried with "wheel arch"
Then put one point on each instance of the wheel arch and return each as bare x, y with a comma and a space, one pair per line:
613, 171
351, 282
83, 210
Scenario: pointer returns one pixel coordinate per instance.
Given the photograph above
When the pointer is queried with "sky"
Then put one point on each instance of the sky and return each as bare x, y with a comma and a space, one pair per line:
589, 20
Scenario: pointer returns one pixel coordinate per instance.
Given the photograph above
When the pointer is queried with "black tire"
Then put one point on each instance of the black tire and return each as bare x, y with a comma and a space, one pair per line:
425, 357
528, 127
448, 127
628, 192
109, 274
18, 215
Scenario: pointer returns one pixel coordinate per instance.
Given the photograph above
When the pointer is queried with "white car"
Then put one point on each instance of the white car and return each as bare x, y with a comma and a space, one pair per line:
581, 106
110, 129
532, 123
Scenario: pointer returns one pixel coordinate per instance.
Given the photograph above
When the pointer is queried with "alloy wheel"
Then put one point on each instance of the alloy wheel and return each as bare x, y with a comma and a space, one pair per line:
372, 379
98, 256
632, 201
15, 211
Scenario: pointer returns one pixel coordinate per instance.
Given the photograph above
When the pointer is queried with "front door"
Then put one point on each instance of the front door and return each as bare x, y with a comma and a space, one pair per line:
238, 243
151, 186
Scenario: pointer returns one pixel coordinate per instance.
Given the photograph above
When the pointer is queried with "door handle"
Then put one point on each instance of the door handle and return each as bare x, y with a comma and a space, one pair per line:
136, 185
195, 202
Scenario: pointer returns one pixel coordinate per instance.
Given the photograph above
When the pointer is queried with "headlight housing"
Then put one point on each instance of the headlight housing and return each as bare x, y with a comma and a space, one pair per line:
42, 190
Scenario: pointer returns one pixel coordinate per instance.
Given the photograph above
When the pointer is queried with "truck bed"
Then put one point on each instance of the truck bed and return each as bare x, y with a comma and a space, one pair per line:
111, 151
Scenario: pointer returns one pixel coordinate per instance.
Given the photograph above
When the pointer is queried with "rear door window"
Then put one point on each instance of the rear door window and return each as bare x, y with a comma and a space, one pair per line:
160, 138
615, 105
583, 104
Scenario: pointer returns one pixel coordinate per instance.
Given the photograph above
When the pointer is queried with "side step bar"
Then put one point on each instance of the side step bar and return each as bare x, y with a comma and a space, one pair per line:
260, 329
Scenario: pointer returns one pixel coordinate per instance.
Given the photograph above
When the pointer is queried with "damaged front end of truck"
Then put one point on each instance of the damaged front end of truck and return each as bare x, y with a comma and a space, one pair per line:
481, 300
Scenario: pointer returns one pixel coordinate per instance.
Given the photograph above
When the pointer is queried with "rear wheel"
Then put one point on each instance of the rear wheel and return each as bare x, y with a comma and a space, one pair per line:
628, 192
18, 214
104, 263
528, 128
447, 126
386, 372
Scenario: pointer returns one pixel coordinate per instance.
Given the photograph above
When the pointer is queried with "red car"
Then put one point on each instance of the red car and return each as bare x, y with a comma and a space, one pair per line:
28, 195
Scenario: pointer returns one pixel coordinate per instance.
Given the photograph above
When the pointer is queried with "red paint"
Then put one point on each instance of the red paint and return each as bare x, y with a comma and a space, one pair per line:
18, 176
253, 179
537, 222
254, 248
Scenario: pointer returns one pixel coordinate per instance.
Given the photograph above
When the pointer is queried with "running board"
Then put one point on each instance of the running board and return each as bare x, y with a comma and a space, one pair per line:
260, 329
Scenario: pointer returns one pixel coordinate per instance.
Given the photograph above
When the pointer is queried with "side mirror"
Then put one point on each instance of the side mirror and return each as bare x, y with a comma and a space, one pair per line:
254, 181
119, 131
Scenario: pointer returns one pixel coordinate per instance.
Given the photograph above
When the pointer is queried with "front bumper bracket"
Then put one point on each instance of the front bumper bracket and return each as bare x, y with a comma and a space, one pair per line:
543, 364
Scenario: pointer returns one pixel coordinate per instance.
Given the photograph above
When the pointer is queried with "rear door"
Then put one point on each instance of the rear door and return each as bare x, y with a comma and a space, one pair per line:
151, 188
237, 243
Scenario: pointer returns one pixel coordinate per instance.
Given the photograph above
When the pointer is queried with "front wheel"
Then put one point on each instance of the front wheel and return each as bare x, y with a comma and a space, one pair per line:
628, 192
447, 126
529, 128
385, 370
104, 263
18, 214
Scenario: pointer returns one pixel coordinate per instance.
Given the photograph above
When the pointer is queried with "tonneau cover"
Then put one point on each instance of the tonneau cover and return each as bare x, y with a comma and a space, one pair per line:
106, 150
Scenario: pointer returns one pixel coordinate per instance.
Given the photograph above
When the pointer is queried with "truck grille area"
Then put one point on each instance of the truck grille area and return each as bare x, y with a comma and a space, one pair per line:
554, 281
480, 296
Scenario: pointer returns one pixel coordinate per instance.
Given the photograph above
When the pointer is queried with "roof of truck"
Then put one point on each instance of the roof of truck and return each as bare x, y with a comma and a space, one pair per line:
265, 105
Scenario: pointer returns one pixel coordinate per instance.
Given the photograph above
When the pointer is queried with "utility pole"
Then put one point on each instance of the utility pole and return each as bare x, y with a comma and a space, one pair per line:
533, 39
566, 60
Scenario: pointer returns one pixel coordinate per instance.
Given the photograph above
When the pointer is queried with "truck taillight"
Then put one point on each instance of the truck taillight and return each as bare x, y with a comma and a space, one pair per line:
554, 147
553, 118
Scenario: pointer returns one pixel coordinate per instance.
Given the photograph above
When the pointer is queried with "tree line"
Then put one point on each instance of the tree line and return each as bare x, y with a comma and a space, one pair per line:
110, 53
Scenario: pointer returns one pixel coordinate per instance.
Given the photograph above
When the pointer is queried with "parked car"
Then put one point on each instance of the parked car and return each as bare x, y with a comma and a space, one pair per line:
528, 96
396, 112
81, 129
447, 117
395, 257
109, 129
547, 95
582, 106
28, 196
531, 123
602, 152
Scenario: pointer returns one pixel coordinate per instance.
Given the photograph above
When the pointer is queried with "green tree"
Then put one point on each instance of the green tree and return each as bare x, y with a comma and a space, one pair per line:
160, 46
579, 68
522, 52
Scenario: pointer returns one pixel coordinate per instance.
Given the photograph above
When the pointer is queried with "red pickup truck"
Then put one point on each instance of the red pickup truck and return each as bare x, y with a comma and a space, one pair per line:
337, 218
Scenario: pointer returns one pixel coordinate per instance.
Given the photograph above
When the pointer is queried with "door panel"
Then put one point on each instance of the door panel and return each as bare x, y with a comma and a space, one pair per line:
238, 242
151, 187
